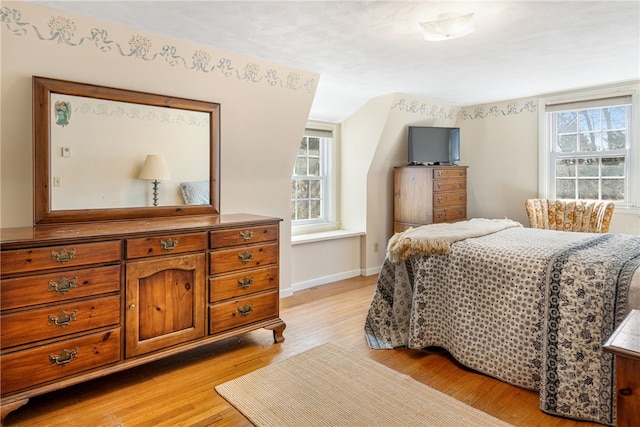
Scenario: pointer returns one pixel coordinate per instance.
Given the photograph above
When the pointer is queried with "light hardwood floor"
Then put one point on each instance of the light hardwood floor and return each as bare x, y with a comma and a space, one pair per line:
179, 391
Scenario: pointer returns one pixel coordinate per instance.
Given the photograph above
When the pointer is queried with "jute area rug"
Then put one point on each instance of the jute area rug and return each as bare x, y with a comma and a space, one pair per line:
331, 386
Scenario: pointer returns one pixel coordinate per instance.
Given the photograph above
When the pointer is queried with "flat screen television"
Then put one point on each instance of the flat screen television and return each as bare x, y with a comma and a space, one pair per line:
434, 145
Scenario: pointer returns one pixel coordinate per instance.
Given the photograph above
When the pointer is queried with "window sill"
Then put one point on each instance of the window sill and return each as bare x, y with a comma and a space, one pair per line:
301, 239
626, 210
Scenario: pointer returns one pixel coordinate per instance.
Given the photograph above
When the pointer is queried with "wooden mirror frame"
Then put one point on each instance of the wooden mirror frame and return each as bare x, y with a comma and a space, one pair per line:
43, 213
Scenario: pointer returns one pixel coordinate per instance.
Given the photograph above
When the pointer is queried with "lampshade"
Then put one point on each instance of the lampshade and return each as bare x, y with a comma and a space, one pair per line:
155, 168
448, 26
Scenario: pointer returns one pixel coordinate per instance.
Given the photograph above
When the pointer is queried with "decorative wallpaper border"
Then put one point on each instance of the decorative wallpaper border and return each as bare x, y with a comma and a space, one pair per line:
63, 30
65, 107
513, 108
479, 112
425, 109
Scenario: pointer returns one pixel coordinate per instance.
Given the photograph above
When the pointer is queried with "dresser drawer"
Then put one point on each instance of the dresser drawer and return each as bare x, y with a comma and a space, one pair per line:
242, 236
241, 284
243, 311
242, 258
449, 199
450, 214
449, 172
58, 287
25, 260
163, 245
27, 368
449, 185
59, 320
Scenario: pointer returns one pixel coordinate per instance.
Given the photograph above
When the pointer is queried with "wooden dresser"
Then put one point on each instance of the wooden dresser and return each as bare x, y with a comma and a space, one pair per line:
428, 194
624, 343
79, 301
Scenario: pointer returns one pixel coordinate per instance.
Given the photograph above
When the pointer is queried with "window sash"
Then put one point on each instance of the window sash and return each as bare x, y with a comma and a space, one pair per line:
322, 178
553, 155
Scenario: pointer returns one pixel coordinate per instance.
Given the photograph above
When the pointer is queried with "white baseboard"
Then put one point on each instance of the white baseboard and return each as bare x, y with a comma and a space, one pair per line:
372, 271
326, 280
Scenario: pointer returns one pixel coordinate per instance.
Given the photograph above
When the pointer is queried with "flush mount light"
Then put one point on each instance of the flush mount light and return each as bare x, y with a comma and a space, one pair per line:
448, 26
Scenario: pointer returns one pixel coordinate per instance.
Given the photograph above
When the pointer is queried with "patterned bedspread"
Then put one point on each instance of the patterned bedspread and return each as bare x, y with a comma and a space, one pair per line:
529, 307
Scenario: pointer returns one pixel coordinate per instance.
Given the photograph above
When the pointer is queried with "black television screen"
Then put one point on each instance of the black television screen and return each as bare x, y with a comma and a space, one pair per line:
434, 145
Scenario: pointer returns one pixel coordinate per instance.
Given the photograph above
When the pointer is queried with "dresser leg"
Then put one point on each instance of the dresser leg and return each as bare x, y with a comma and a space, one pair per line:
278, 328
10, 407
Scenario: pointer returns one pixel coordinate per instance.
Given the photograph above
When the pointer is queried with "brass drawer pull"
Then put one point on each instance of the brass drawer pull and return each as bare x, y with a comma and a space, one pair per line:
461, 197
439, 185
64, 357
63, 319
440, 215
461, 185
245, 282
63, 285
245, 309
63, 256
169, 244
245, 257
439, 199
246, 235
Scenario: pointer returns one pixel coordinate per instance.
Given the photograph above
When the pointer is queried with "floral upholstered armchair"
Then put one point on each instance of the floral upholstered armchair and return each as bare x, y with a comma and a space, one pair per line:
592, 216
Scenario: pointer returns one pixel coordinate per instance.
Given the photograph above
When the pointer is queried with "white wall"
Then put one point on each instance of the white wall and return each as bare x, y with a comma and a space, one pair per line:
264, 107
262, 120
499, 143
501, 150
373, 142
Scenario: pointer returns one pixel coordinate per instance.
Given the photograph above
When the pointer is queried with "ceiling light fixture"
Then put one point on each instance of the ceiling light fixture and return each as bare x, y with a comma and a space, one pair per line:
448, 26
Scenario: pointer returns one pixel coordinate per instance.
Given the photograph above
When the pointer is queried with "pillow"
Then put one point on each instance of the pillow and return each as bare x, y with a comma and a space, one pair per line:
195, 192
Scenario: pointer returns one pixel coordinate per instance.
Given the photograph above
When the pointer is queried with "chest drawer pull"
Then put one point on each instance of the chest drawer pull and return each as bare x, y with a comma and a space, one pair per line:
63, 285
63, 319
63, 256
245, 256
245, 282
169, 244
246, 235
245, 309
440, 199
64, 357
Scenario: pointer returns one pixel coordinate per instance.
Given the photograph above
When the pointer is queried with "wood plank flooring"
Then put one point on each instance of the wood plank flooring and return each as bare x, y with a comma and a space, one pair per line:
179, 391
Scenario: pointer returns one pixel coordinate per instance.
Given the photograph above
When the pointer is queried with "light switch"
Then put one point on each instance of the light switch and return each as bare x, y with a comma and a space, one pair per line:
66, 152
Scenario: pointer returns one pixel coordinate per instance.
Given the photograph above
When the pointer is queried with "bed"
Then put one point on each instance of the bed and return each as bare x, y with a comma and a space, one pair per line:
530, 307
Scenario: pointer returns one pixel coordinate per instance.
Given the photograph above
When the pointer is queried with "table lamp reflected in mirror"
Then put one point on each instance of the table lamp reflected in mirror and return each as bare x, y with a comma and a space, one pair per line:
155, 169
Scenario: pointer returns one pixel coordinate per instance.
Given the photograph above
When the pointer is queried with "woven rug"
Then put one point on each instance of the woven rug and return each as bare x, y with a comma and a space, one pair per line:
331, 386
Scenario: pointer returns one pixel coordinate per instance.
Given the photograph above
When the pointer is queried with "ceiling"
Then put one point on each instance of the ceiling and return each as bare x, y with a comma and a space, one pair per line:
364, 49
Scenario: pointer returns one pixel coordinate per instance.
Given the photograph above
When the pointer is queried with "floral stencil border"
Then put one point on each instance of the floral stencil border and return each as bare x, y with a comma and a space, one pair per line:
513, 108
139, 47
479, 112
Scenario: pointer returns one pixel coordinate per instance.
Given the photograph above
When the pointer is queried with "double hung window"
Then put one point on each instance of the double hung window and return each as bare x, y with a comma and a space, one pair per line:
590, 150
313, 183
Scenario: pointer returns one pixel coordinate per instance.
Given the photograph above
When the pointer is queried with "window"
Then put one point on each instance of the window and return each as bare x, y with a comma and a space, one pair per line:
590, 150
313, 183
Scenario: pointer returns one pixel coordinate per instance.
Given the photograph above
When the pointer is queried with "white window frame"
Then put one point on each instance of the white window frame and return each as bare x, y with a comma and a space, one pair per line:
329, 168
546, 159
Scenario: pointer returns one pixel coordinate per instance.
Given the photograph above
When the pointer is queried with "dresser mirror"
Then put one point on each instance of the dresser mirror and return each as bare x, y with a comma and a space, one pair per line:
102, 153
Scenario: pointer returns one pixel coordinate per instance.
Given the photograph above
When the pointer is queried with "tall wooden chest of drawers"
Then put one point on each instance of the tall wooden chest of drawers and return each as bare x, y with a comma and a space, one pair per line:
79, 301
428, 194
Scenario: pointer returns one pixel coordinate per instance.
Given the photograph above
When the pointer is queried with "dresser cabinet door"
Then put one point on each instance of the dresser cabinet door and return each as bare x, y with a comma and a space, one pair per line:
165, 302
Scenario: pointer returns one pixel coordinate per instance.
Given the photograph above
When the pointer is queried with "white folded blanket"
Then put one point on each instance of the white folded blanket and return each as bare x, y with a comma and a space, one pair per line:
436, 238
